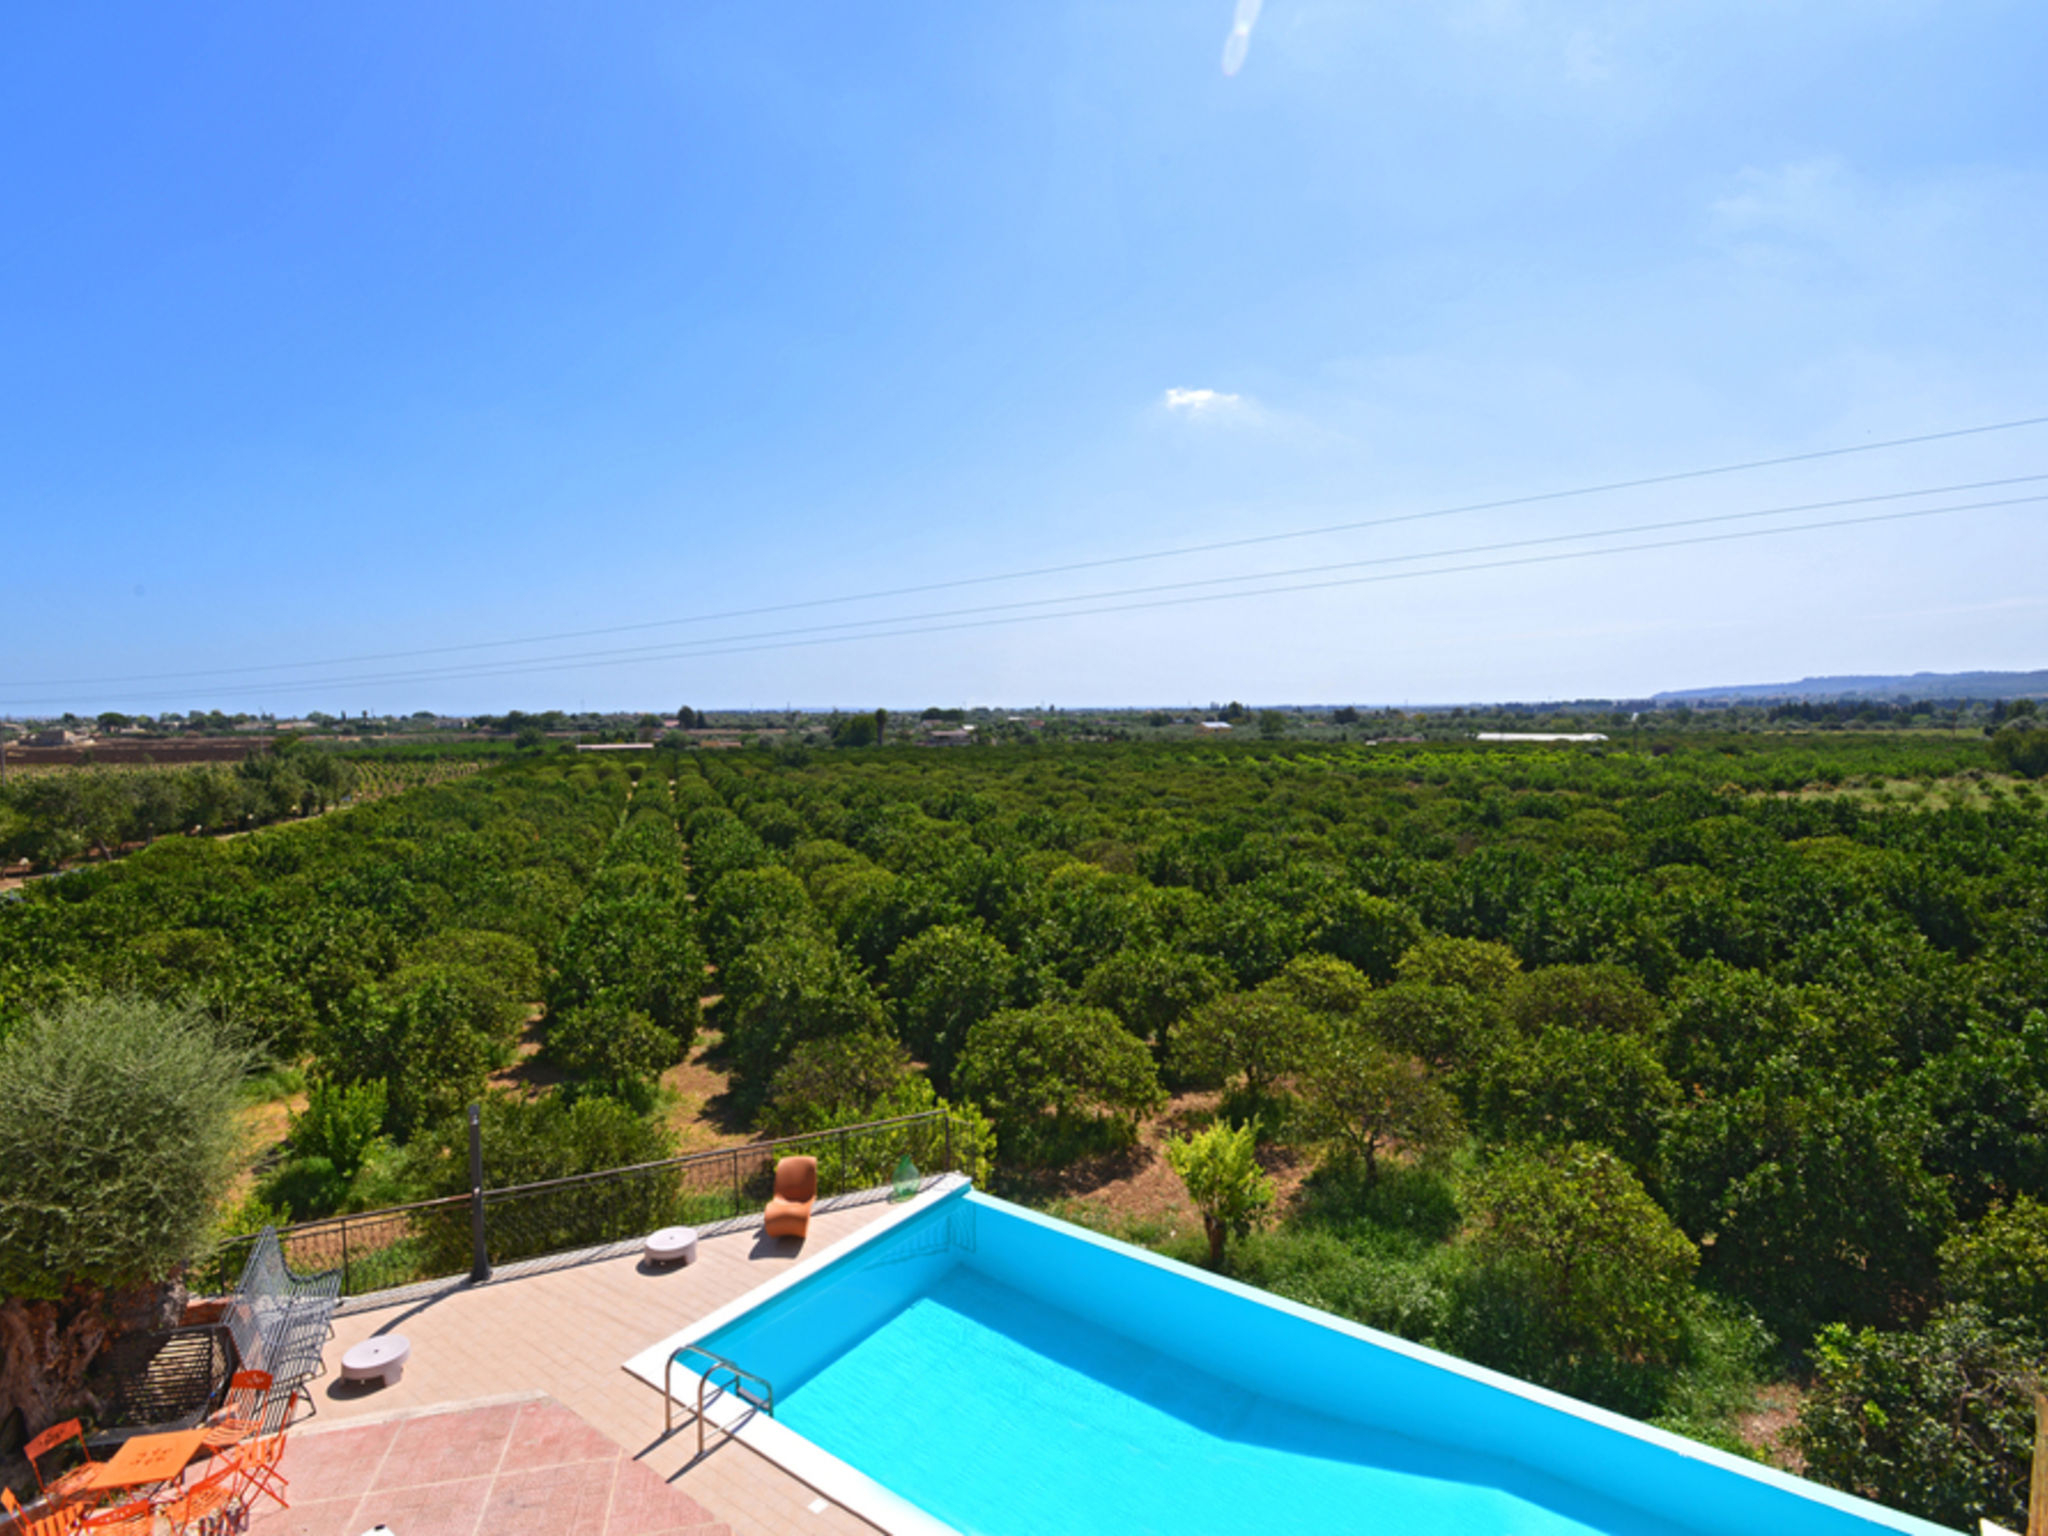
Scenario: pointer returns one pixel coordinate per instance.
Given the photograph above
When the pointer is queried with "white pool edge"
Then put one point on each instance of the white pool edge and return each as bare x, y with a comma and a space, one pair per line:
839, 1481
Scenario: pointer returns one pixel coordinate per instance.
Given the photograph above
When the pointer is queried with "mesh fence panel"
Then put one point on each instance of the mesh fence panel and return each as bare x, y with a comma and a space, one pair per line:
431, 1239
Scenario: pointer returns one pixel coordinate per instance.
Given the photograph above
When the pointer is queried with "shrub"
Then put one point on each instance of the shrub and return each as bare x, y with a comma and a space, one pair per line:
2001, 1264
1938, 1422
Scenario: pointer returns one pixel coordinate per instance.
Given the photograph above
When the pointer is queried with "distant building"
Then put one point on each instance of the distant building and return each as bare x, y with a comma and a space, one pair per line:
963, 737
614, 746
1540, 736
54, 736
1215, 725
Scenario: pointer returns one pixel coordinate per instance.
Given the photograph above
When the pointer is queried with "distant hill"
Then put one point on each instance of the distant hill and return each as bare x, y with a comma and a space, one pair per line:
1920, 685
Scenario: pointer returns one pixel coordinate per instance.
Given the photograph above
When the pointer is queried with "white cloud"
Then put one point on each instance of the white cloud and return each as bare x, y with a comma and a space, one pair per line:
1202, 402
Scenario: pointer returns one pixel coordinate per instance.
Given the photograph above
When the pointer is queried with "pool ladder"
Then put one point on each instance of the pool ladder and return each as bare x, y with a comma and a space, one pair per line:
740, 1377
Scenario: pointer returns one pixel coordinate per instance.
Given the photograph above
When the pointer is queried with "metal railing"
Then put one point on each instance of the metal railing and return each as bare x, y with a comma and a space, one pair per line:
740, 1377
713, 1191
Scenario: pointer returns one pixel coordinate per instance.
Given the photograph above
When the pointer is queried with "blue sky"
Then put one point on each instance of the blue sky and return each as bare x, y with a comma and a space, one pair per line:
338, 332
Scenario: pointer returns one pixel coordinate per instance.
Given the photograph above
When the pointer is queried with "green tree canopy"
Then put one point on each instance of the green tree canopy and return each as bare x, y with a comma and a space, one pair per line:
1152, 987
1246, 1041
118, 1134
1472, 965
942, 983
1573, 1231
1567, 1085
1057, 1079
1360, 1097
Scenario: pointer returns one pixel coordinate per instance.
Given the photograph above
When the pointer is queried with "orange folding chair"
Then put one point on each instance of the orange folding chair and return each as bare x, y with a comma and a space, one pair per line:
136, 1519
241, 1415
257, 1462
61, 1521
194, 1508
70, 1482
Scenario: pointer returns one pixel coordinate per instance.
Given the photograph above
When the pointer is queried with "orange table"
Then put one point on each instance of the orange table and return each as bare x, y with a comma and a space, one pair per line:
147, 1459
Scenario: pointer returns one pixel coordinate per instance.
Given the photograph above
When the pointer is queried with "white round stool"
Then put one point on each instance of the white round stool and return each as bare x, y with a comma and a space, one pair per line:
672, 1245
379, 1359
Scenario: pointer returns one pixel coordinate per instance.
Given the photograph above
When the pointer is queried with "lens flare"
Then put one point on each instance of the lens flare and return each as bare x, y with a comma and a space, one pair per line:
1239, 43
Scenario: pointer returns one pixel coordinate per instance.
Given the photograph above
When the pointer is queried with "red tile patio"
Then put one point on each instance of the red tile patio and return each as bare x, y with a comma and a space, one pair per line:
511, 1469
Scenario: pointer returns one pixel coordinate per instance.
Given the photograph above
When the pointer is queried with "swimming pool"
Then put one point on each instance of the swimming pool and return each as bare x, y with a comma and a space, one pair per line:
993, 1371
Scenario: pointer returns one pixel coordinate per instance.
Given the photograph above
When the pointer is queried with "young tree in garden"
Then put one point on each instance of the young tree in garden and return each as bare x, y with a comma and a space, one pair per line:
1058, 1079
1573, 1231
1358, 1097
331, 1139
1221, 1172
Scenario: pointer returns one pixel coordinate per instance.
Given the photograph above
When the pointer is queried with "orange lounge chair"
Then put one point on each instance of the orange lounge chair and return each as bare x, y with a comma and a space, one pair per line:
796, 1191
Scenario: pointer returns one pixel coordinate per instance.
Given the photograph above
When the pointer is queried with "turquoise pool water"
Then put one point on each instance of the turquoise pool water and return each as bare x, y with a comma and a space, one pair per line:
1012, 1377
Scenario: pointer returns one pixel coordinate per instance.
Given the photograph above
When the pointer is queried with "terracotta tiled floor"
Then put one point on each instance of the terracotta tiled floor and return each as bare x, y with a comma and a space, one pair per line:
563, 1332
513, 1469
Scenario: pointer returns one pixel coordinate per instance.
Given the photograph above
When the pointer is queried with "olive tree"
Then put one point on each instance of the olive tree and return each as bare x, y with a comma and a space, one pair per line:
118, 1134
119, 1139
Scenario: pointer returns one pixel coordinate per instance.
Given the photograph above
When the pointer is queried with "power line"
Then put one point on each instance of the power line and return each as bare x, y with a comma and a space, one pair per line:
702, 649
1066, 568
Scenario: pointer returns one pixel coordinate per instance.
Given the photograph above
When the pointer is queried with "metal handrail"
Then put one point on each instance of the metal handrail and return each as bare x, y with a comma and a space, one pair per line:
739, 1374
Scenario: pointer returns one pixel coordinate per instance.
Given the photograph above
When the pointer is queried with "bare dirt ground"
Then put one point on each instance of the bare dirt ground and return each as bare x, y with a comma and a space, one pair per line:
1766, 1429
699, 1115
